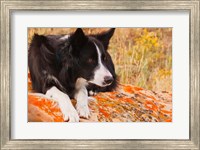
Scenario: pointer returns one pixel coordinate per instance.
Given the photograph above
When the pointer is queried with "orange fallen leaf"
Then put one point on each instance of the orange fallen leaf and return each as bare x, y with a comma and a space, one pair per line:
150, 105
166, 111
104, 112
168, 120
128, 89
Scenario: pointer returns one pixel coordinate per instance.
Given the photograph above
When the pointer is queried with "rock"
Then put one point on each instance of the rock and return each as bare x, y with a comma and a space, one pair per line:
127, 104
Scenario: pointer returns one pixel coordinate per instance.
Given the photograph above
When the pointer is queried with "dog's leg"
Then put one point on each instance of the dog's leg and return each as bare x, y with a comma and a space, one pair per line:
65, 104
81, 95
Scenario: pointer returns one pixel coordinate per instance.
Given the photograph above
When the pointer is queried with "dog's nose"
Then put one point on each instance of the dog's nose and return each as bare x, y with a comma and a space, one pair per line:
108, 79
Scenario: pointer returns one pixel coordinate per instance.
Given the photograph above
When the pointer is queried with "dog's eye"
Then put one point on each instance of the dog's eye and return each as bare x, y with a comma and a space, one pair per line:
104, 58
90, 61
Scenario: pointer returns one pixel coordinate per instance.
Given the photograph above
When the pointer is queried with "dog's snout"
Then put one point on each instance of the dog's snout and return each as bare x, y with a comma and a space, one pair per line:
108, 79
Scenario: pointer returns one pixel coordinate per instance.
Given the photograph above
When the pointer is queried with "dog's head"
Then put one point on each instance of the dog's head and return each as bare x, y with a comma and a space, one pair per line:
93, 60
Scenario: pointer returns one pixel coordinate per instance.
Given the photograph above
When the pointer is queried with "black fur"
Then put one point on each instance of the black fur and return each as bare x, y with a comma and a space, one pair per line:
55, 62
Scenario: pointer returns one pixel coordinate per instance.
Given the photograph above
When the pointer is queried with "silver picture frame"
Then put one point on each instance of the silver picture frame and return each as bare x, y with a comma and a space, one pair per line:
7, 6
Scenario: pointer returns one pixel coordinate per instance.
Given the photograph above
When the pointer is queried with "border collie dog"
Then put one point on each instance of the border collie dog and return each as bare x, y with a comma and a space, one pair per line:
72, 66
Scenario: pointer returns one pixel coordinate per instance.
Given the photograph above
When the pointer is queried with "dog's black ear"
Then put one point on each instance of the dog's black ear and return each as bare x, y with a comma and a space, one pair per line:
78, 40
105, 37
39, 39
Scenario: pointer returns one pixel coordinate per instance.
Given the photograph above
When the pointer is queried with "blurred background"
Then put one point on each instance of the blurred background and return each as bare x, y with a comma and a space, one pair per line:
142, 56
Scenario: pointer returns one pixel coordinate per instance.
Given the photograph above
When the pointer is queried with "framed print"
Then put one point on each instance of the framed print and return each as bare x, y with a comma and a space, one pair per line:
125, 65
128, 73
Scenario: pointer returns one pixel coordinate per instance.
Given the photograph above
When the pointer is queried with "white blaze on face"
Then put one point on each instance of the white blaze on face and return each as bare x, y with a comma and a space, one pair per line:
100, 72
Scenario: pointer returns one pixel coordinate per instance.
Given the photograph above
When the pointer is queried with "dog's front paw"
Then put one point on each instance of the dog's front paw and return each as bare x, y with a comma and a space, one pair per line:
92, 93
69, 112
83, 111
70, 115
